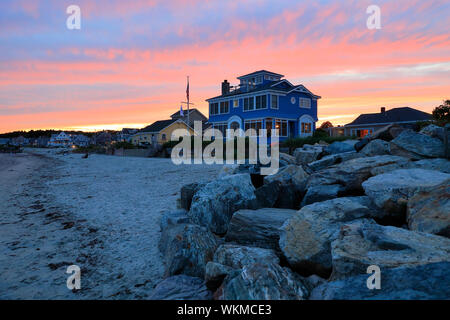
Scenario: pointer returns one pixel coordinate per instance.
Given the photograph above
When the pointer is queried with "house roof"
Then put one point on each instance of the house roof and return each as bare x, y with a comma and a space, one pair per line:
282, 86
190, 112
404, 114
261, 71
158, 125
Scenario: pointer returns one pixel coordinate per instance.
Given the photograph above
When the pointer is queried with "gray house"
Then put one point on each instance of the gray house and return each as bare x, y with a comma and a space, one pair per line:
370, 122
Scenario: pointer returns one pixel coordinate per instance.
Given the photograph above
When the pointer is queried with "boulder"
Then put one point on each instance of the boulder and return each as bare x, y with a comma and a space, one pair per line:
434, 131
215, 273
422, 282
350, 174
430, 211
289, 197
231, 169
187, 193
364, 243
181, 287
406, 164
172, 218
439, 164
306, 237
258, 228
291, 174
387, 133
392, 190
307, 154
214, 204
417, 145
263, 282
229, 258
186, 249
361, 144
376, 147
341, 146
333, 159
256, 275
287, 158
237, 257
228, 169
268, 194
321, 193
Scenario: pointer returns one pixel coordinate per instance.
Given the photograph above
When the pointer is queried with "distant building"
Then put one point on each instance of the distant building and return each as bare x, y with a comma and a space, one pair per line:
159, 132
126, 134
194, 115
4, 141
81, 140
19, 141
263, 100
368, 123
41, 142
60, 140
103, 138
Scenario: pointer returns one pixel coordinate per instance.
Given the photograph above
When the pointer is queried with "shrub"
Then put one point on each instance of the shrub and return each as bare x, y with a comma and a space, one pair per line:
124, 145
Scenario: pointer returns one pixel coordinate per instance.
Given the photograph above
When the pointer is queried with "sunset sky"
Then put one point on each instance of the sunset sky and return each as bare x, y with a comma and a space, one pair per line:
127, 66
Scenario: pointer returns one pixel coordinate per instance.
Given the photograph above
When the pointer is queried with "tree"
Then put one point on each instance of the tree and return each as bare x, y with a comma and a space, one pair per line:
326, 125
442, 113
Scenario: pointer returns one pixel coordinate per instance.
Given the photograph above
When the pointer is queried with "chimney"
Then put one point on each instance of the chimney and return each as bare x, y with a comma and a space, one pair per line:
225, 87
383, 110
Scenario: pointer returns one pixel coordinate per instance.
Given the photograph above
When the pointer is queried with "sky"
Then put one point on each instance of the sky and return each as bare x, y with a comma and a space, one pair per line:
127, 65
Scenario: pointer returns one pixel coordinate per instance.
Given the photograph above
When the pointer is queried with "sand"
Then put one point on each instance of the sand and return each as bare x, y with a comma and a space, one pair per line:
100, 213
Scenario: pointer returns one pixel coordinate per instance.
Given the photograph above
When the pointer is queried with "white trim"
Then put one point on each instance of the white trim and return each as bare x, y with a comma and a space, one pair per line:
305, 119
302, 88
246, 94
281, 81
235, 118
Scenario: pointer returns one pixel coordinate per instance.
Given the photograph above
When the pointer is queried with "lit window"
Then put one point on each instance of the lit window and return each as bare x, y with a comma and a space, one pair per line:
236, 103
306, 127
281, 125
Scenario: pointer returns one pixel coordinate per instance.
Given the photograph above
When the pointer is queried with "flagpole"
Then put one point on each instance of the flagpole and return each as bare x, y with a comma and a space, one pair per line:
188, 123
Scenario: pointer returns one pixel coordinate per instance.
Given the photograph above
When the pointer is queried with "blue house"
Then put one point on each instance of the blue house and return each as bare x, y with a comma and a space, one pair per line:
264, 100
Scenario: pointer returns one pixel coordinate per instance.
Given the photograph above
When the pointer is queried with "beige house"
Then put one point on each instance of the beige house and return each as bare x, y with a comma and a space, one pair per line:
159, 132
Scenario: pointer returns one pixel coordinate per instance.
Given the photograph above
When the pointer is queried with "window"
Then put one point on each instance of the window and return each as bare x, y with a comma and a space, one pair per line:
219, 108
269, 127
274, 101
235, 103
253, 124
163, 137
214, 108
261, 102
249, 104
305, 103
306, 127
224, 107
282, 126
221, 126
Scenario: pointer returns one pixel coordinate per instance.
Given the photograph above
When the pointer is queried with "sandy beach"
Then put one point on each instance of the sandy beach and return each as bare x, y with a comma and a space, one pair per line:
100, 213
